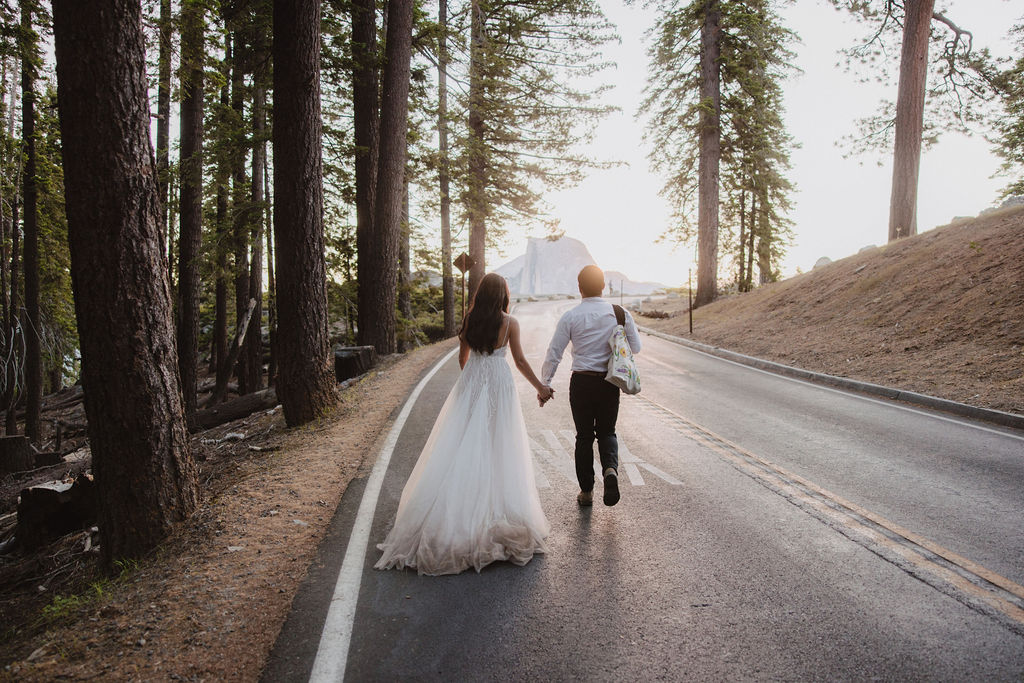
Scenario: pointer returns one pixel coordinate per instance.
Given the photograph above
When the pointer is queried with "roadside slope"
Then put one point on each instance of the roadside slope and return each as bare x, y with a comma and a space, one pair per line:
941, 313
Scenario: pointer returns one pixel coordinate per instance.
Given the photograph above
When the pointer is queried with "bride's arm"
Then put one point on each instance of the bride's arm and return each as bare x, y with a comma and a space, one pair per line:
522, 364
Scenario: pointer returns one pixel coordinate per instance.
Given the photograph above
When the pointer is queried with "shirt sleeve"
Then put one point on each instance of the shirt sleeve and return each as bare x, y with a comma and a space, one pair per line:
555, 350
632, 334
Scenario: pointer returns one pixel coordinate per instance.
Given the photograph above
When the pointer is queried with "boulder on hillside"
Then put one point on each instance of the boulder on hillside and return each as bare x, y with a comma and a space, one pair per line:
1015, 200
823, 261
869, 247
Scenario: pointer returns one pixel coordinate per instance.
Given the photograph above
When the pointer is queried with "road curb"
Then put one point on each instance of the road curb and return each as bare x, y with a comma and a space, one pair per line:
962, 409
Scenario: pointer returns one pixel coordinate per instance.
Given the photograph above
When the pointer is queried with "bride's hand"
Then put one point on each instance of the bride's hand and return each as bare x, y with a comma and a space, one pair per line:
545, 394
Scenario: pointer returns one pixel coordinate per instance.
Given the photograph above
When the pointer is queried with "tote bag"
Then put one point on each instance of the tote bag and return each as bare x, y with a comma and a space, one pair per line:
622, 370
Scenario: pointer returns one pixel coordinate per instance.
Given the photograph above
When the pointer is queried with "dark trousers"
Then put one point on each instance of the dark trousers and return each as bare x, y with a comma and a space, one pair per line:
595, 407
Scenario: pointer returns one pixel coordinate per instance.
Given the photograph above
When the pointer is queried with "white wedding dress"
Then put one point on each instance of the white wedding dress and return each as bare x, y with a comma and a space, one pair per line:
471, 498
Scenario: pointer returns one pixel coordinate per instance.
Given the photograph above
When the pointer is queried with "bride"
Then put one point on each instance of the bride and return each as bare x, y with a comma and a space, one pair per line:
471, 498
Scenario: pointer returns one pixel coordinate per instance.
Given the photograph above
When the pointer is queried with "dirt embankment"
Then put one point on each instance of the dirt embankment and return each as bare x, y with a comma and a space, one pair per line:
941, 313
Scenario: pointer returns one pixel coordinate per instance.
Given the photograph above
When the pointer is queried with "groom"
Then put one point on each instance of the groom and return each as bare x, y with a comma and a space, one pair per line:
594, 402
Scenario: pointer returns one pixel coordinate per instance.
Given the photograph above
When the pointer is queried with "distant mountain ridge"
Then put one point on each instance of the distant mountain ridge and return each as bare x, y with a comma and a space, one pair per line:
551, 266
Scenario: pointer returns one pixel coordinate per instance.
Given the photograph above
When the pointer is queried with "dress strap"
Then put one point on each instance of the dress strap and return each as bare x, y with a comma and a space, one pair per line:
508, 327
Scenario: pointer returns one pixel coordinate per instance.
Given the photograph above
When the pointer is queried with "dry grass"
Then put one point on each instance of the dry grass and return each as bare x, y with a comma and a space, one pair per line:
940, 313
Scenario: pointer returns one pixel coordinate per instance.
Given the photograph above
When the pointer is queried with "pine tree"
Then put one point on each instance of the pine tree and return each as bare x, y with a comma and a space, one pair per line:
752, 145
920, 110
141, 450
524, 117
306, 383
1008, 124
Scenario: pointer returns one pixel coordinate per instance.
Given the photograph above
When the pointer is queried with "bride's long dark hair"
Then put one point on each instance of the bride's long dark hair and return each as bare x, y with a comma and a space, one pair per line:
483, 322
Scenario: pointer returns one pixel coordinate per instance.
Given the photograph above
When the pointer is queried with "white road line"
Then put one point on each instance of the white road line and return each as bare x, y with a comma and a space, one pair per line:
539, 478
658, 473
561, 464
332, 653
633, 473
625, 455
889, 404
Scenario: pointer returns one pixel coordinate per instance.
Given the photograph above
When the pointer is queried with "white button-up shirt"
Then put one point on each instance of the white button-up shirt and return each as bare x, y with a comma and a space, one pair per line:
589, 327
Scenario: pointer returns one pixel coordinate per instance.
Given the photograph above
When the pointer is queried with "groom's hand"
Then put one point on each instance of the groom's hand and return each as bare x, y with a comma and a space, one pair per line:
545, 395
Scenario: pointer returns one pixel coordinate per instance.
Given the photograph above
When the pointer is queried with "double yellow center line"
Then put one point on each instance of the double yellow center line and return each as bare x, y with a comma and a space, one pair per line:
958, 577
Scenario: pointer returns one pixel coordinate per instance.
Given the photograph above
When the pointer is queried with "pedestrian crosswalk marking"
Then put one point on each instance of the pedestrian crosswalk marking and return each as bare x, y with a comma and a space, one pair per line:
559, 461
633, 473
658, 473
553, 454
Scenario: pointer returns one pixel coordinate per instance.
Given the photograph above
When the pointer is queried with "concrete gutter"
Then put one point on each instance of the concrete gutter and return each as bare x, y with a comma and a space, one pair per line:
962, 409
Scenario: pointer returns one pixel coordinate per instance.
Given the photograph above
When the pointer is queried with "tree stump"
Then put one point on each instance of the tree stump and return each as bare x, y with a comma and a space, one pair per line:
16, 454
352, 361
49, 511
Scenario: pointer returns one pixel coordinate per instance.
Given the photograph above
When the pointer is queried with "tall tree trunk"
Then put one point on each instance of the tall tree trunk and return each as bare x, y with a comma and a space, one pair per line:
447, 280
741, 280
31, 326
141, 450
366, 132
5, 231
477, 180
306, 381
240, 199
764, 244
404, 270
710, 154
751, 234
909, 118
377, 327
191, 209
14, 371
271, 285
163, 110
253, 349
218, 359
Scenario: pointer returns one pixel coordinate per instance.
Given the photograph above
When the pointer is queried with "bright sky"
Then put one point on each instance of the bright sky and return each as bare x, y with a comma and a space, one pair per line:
840, 205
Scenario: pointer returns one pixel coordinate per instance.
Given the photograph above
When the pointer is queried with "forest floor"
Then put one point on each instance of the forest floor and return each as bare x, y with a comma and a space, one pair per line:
208, 604
940, 313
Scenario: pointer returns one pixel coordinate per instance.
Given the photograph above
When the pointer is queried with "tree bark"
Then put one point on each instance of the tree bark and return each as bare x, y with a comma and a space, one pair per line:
447, 280
909, 118
191, 209
366, 131
404, 270
163, 110
741, 280
239, 198
305, 384
751, 234
477, 180
377, 327
141, 450
271, 286
253, 349
218, 359
710, 154
31, 326
764, 241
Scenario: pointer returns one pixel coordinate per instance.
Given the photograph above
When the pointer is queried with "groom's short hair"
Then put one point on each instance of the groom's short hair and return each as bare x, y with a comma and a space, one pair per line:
591, 280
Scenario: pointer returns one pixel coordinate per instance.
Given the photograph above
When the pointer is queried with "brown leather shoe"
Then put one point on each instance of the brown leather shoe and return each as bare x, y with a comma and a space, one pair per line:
585, 498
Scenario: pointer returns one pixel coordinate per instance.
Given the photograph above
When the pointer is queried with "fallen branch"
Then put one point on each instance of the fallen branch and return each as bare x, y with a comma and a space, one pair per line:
221, 389
235, 409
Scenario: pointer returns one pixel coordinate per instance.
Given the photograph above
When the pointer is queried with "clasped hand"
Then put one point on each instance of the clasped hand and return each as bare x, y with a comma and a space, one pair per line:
544, 395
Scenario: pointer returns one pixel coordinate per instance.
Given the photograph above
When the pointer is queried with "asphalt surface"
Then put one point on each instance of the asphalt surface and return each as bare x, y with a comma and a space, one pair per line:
769, 529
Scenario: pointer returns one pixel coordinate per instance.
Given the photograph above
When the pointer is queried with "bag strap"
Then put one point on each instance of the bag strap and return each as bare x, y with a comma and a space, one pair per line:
620, 314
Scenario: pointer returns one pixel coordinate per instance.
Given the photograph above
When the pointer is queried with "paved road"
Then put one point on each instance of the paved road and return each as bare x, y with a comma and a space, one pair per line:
768, 530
